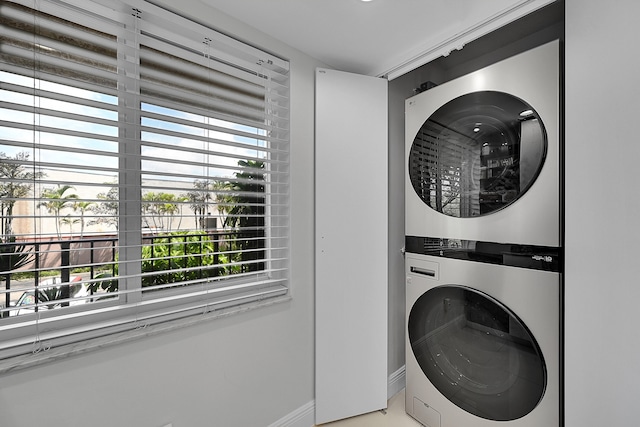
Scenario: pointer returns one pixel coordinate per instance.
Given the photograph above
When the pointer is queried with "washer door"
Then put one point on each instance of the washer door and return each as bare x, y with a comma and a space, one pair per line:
477, 353
477, 154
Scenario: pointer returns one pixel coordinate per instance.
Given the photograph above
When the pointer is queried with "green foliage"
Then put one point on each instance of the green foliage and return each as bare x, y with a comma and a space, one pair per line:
13, 255
105, 282
51, 294
178, 257
182, 256
247, 213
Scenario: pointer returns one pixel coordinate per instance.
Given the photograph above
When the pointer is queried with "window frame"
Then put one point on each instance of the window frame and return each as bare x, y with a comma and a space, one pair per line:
77, 328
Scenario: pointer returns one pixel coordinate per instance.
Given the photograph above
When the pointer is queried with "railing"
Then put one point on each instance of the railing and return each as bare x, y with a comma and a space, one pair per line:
63, 256
176, 256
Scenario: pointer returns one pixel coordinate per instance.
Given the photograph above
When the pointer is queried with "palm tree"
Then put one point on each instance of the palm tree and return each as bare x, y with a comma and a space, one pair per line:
55, 201
161, 208
83, 207
199, 199
16, 184
69, 220
224, 200
181, 200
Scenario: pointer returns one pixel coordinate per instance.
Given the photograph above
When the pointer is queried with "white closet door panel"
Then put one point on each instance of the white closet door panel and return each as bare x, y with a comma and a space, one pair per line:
351, 244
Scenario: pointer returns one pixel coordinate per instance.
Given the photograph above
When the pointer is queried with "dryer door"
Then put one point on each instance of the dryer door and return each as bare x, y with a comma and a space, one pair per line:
477, 353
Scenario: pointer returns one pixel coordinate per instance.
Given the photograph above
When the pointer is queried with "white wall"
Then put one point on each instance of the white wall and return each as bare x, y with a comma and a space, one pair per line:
602, 286
247, 370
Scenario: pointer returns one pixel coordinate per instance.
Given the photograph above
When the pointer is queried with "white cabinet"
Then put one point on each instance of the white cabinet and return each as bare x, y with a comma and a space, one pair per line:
351, 244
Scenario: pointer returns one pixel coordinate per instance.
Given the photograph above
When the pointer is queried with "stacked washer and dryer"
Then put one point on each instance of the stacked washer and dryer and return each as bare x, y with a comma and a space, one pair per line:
483, 247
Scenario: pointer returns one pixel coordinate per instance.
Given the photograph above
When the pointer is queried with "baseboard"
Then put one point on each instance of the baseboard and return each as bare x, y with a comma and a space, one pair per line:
305, 415
396, 382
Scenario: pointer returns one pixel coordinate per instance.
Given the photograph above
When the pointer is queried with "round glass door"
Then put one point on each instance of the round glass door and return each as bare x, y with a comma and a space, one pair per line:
477, 154
477, 353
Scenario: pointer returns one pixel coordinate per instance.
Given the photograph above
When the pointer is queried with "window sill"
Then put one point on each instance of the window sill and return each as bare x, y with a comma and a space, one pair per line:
45, 355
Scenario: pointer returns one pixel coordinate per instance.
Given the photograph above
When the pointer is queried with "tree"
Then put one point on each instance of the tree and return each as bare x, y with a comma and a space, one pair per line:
199, 199
107, 211
244, 202
55, 201
16, 183
181, 200
247, 212
160, 209
225, 201
70, 221
83, 207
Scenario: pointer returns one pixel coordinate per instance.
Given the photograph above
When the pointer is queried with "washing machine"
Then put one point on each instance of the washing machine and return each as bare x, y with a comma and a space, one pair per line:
483, 154
483, 339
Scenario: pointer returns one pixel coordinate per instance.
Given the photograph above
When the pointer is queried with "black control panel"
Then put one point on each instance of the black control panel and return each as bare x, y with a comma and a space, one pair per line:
545, 258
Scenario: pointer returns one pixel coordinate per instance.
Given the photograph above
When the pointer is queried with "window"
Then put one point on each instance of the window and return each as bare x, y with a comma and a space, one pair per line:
143, 171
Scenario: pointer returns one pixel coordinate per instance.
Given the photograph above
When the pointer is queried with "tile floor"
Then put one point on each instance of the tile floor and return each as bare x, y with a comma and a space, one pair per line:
395, 417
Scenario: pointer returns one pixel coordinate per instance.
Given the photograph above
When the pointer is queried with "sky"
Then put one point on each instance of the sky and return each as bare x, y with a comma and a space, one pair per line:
172, 154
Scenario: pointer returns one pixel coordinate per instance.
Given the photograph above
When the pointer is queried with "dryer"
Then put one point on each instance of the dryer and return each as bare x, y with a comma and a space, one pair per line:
483, 341
483, 154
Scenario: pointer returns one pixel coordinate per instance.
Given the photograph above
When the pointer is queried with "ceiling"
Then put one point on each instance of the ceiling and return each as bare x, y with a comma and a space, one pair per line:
377, 37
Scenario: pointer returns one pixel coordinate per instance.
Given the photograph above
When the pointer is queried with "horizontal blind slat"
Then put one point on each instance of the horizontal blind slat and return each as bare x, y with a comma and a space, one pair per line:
202, 110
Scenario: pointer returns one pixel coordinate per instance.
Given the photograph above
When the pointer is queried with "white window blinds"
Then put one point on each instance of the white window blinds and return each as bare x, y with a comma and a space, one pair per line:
144, 169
